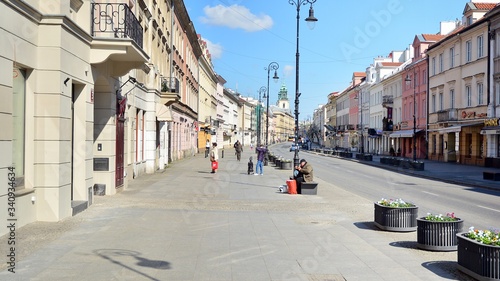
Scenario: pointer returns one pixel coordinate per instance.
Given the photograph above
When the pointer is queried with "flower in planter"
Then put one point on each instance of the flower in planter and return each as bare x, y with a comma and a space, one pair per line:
487, 237
440, 217
395, 203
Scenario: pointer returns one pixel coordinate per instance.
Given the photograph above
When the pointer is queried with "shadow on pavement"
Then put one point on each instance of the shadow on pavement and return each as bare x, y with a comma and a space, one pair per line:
119, 257
405, 244
368, 225
444, 268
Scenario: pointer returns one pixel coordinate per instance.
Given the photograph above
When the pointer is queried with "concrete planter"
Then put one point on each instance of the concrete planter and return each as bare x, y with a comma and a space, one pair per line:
418, 166
478, 260
286, 165
396, 219
438, 235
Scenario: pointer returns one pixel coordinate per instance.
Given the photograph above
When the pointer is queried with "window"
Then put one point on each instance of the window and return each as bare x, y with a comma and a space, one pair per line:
18, 121
480, 94
498, 146
452, 98
424, 78
497, 86
433, 144
440, 63
423, 108
468, 95
433, 103
452, 57
468, 51
441, 101
434, 66
469, 20
480, 46
468, 145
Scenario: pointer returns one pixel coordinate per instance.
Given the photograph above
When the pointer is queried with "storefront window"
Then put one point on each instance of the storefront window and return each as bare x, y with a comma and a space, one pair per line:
468, 145
498, 146
481, 146
434, 144
18, 113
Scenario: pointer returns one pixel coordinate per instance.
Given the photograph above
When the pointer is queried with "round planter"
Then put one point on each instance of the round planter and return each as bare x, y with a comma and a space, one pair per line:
438, 235
478, 260
278, 163
396, 219
286, 165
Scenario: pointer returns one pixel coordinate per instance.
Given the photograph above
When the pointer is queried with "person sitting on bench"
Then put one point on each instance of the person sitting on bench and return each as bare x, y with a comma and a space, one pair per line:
303, 173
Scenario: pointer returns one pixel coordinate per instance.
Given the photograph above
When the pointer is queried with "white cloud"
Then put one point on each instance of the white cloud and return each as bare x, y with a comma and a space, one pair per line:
214, 49
236, 16
288, 70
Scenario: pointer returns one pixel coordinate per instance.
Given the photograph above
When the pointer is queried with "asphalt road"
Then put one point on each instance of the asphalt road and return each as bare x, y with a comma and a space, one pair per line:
477, 207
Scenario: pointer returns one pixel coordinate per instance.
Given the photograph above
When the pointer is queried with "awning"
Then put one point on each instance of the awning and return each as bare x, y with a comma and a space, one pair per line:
454, 128
163, 113
330, 128
492, 130
403, 133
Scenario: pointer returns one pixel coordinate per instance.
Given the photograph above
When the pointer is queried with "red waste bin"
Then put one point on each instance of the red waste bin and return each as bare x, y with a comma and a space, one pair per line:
292, 186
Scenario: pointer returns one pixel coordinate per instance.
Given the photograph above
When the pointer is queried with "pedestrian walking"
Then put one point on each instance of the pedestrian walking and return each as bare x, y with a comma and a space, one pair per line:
214, 158
303, 173
207, 148
238, 148
261, 153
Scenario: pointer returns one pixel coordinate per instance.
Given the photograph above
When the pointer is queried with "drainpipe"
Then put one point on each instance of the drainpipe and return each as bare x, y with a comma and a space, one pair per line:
427, 111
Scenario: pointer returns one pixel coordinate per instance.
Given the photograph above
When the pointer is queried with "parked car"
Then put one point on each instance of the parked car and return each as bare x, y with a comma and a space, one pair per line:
294, 147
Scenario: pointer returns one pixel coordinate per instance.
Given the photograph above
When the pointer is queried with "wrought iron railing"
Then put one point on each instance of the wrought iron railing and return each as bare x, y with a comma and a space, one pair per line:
115, 21
447, 115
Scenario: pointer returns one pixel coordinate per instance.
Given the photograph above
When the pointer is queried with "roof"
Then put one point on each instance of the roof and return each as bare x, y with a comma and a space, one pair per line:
391, 63
432, 37
484, 6
451, 34
359, 74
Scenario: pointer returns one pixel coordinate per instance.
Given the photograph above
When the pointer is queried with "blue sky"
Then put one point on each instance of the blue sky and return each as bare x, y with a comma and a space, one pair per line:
245, 36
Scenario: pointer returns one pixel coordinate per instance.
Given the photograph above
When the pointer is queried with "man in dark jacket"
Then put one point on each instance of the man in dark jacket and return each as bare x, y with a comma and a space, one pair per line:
238, 149
261, 153
304, 174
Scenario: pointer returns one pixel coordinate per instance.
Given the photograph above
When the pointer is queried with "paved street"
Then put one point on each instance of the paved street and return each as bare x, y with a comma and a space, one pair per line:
188, 224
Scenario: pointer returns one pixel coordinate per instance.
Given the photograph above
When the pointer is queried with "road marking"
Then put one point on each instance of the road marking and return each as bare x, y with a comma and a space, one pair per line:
430, 193
488, 208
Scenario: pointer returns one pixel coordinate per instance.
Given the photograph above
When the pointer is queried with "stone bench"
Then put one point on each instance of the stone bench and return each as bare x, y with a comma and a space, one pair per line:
309, 188
491, 175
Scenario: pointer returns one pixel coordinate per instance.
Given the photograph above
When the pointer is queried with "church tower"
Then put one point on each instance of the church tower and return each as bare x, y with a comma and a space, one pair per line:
283, 102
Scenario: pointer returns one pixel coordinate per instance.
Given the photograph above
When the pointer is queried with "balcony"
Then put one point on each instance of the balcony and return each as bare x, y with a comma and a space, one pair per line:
447, 115
117, 37
387, 101
170, 90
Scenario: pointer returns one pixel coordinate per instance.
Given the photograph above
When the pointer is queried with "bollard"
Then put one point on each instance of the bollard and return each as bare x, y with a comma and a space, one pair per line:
222, 153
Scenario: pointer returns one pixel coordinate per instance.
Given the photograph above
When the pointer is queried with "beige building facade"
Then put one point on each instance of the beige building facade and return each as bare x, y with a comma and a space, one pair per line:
101, 92
457, 102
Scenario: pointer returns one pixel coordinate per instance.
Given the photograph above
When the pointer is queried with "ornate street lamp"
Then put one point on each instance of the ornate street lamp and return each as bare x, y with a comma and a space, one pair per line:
274, 66
310, 20
262, 90
408, 82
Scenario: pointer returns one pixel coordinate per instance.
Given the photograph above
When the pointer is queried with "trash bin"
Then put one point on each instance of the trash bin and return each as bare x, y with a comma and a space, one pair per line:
292, 186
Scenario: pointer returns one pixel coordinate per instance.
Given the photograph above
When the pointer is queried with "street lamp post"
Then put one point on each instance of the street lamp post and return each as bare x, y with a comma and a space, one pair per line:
274, 66
259, 113
310, 20
408, 81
